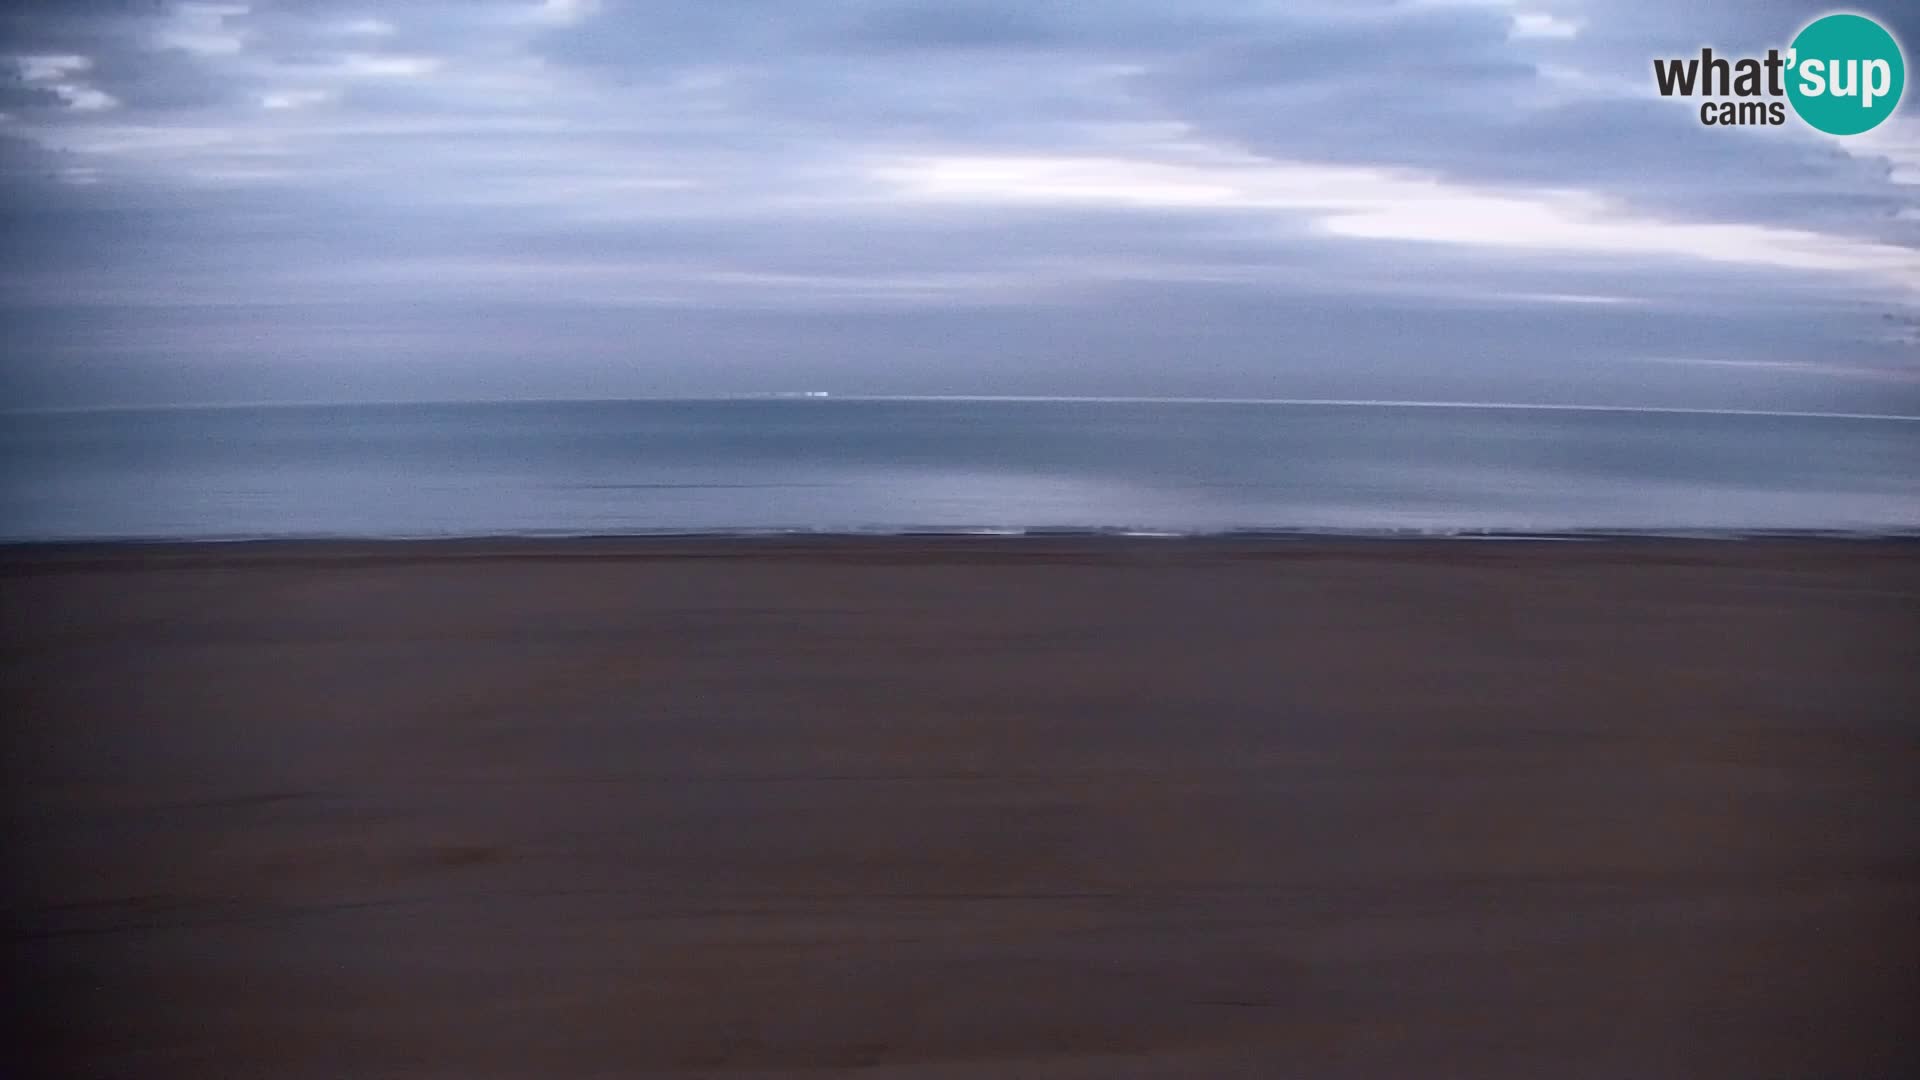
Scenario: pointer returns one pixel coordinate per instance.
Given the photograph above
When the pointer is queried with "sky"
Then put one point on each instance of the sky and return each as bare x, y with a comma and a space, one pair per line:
327, 201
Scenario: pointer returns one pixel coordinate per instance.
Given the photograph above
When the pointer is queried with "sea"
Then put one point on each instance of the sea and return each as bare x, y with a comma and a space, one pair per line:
964, 466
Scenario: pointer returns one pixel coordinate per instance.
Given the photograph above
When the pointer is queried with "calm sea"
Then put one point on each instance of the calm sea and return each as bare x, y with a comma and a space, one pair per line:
858, 466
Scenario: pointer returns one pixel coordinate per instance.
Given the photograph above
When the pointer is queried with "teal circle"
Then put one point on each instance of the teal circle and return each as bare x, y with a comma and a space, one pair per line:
1849, 51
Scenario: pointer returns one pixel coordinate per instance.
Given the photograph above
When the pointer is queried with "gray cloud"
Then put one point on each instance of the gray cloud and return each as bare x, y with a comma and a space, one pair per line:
292, 200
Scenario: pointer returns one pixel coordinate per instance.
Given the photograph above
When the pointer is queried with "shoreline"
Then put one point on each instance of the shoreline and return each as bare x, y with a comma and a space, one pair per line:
27, 559
639, 542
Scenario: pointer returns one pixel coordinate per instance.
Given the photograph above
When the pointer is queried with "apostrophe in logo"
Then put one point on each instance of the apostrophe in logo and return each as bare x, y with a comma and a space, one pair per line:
1847, 74
1843, 75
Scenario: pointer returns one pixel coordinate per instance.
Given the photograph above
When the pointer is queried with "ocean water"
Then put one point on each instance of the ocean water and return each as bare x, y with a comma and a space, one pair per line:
840, 465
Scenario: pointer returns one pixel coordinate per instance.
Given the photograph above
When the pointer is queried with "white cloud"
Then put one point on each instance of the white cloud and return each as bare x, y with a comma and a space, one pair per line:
1542, 25
51, 72
295, 99
367, 28
1390, 204
85, 98
1825, 368
48, 68
1564, 298
386, 66
566, 12
1896, 141
201, 29
1582, 222
202, 44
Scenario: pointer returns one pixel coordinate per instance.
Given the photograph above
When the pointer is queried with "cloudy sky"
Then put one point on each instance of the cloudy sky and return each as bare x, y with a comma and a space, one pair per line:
310, 200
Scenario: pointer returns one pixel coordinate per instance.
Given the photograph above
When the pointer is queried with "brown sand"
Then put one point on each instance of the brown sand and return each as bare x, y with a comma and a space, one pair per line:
966, 809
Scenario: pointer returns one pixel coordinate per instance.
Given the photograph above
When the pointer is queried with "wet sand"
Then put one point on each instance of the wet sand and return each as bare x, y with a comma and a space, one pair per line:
931, 809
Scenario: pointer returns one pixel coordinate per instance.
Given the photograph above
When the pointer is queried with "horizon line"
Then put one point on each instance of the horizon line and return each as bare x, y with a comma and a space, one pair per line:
815, 397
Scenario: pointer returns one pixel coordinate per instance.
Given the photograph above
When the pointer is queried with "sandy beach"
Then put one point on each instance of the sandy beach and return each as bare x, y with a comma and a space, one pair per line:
927, 808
